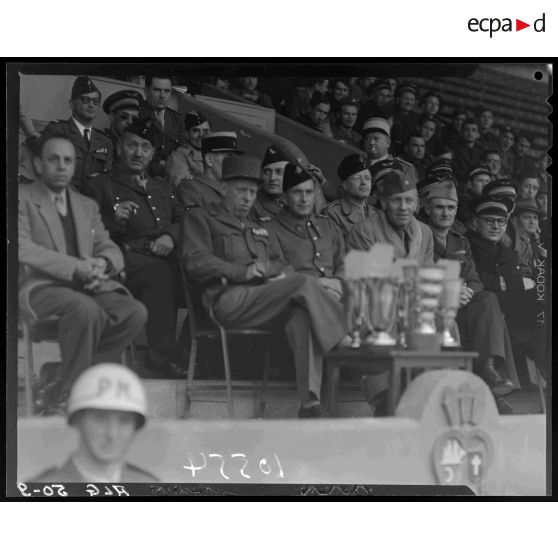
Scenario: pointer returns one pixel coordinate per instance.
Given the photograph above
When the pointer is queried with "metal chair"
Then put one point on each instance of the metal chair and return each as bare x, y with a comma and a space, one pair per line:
200, 328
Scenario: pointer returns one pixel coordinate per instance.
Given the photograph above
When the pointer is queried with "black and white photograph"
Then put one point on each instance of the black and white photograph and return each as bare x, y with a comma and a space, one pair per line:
279, 279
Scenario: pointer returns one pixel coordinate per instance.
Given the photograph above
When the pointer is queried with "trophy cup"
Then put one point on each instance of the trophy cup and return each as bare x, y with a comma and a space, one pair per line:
449, 305
382, 299
355, 308
405, 270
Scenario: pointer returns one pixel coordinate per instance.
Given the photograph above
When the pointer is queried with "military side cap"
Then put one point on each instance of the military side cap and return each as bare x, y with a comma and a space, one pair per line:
193, 118
376, 124
394, 183
487, 205
242, 166
378, 84
432, 187
381, 168
274, 154
476, 171
142, 128
528, 206
350, 165
83, 85
500, 188
405, 87
125, 98
294, 175
220, 142
440, 169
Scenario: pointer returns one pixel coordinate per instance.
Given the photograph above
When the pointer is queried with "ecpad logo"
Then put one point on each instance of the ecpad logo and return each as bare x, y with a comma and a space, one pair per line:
494, 24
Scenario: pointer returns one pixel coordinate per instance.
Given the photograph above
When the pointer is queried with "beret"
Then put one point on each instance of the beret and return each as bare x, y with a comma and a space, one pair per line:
274, 154
193, 118
294, 175
144, 129
350, 165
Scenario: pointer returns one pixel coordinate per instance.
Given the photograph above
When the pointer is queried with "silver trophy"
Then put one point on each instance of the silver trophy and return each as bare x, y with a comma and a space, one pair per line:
355, 308
449, 305
382, 294
430, 286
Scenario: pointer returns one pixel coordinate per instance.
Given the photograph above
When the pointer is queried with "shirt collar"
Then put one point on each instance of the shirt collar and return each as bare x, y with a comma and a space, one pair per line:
52, 195
81, 127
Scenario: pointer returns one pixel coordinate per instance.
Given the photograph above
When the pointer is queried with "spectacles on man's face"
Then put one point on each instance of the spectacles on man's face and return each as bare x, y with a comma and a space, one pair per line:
493, 222
85, 100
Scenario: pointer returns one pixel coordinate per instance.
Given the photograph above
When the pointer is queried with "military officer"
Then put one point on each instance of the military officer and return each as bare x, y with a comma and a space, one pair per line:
311, 244
143, 217
186, 161
344, 130
480, 319
209, 188
405, 120
168, 122
107, 407
221, 241
499, 271
93, 147
503, 190
377, 140
270, 199
395, 223
477, 179
356, 184
122, 107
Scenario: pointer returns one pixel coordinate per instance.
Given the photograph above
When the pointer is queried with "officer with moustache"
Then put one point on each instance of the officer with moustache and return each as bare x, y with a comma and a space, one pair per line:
93, 147
143, 217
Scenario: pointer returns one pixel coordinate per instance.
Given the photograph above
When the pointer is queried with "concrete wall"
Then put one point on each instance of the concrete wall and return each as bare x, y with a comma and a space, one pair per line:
410, 448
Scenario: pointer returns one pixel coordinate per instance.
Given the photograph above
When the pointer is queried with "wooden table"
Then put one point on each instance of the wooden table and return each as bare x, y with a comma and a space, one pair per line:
393, 361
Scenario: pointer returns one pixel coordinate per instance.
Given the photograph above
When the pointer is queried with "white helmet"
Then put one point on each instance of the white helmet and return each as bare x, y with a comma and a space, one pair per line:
110, 387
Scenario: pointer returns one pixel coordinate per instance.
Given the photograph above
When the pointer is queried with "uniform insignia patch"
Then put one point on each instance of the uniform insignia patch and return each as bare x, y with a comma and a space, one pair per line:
264, 219
260, 232
101, 150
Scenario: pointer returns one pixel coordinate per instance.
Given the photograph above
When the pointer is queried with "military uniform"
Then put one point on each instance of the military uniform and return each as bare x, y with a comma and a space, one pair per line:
168, 138
200, 191
154, 280
345, 215
183, 162
313, 245
481, 322
92, 159
218, 244
350, 137
466, 158
266, 207
70, 473
114, 139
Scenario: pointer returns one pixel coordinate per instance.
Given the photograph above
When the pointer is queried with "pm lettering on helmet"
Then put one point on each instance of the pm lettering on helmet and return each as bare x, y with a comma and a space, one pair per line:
103, 385
121, 388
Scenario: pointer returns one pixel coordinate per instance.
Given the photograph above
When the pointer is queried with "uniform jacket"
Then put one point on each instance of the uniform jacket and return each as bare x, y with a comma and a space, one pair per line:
184, 162
345, 215
465, 159
458, 248
377, 229
403, 125
350, 137
497, 265
159, 209
42, 246
171, 136
217, 244
201, 191
266, 208
90, 161
69, 473
313, 246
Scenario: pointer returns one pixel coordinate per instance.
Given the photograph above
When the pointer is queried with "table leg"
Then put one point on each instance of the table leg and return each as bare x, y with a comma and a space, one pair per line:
394, 389
333, 390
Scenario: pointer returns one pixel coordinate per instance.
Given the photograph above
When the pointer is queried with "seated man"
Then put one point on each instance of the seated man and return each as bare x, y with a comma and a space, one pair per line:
248, 89
222, 242
502, 190
67, 264
313, 245
498, 269
143, 217
356, 185
208, 188
527, 184
108, 407
415, 153
317, 117
542, 204
479, 318
395, 223
467, 154
269, 201
477, 179
186, 161
344, 130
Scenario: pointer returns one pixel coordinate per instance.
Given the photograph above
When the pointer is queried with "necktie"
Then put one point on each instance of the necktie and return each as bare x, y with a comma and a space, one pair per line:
86, 136
141, 182
161, 119
60, 205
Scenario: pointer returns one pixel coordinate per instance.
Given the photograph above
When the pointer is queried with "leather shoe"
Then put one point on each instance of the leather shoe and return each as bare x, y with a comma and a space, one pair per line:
316, 411
168, 370
498, 385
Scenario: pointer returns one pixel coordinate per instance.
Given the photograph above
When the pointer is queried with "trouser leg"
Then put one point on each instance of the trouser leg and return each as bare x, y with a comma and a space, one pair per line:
152, 281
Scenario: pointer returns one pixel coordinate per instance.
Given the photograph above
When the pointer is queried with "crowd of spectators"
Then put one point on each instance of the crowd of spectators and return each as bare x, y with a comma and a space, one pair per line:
170, 190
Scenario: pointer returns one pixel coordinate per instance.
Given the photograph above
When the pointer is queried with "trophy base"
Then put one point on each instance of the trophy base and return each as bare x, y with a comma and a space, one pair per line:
424, 342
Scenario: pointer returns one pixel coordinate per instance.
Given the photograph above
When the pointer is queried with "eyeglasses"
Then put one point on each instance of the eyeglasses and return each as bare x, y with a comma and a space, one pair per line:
500, 223
85, 100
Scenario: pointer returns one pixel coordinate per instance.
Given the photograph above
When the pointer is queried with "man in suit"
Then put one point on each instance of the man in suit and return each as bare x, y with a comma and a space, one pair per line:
480, 319
169, 123
143, 217
93, 148
221, 241
68, 262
